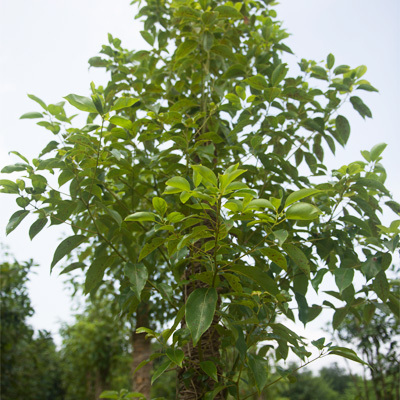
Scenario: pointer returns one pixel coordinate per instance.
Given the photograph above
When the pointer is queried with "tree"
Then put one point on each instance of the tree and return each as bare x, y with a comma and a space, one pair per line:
95, 352
376, 335
25, 358
193, 189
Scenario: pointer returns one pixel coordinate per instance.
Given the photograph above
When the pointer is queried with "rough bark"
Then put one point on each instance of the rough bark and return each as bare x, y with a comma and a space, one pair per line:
141, 351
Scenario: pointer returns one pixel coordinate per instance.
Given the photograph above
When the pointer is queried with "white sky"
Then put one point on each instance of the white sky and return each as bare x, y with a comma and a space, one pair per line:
44, 48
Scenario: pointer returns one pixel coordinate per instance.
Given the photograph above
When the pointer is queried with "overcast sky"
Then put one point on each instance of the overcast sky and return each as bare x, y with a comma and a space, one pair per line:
45, 45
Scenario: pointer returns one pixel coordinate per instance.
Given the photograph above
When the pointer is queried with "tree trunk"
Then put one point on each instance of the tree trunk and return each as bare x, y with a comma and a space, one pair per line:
141, 351
189, 387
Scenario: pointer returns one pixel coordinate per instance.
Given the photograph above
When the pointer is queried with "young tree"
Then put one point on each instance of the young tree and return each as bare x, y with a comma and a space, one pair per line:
196, 186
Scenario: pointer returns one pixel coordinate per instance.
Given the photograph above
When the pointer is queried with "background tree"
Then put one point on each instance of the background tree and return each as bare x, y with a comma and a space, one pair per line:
376, 335
194, 184
30, 365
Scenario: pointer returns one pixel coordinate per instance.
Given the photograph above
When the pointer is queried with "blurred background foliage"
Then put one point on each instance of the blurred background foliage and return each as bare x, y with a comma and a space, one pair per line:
96, 355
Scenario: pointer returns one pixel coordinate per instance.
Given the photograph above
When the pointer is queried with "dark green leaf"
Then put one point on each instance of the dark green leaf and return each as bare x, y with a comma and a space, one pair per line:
199, 311
148, 37
367, 87
210, 369
160, 370
14, 168
137, 274
381, 286
275, 256
257, 82
346, 353
338, 317
15, 220
343, 129
185, 48
175, 355
37, 226
258, 276
95, 273
65, 247
299, 195
278, 74
359, 106
298, 257
330, 61
258, 368
150, 247
343, 277
9, 186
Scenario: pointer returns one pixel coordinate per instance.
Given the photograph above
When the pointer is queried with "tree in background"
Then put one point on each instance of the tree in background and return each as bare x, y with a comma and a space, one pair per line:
194, 189
95, 352
30, 366
376, 335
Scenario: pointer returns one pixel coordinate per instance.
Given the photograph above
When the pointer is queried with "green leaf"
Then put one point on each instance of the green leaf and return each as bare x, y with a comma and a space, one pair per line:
228, 12
346, 353
367, 87
376, 151
302, 211
298, 257
206, 174
72, 267
339, 316
95, 273
160, 205
381, 286
65, 247
15, 220
258, 368
179, 183
37, 226
81, 103
148, 37
257, 82
210, 369
31, 115
9, 186
123, 102
275, 256
8, 169
208, 40
271, 94
118, 120
258, 276
299, 195
278, 74
330, 61
343, 129
39, 101
281, 235
175, 355
185, 48
160, 370
343, 277
150, 247
199, 311
360, 107
141, 216
137, 275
